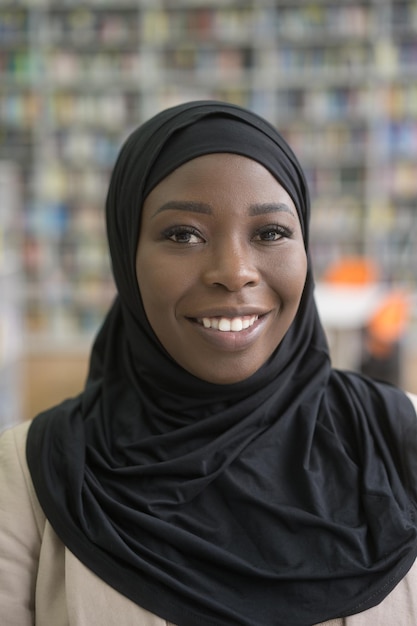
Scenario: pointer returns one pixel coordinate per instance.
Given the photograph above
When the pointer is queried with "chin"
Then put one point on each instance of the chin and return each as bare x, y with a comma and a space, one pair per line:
227, 376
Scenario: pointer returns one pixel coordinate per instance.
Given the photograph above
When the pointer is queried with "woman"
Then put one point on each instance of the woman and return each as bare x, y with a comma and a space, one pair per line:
215, 470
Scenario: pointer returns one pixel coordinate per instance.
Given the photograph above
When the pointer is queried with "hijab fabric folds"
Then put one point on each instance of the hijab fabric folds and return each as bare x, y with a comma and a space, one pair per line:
287, 499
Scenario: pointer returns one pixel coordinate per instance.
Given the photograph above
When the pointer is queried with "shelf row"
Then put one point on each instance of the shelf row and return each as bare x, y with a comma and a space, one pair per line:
308, 21
110, 24
114, 111
242, 66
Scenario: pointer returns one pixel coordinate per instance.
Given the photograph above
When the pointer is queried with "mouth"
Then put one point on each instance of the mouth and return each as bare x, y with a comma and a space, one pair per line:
228, 324
230, 332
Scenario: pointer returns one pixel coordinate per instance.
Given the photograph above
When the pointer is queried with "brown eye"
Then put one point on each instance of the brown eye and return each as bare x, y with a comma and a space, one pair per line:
183, 235
272, 233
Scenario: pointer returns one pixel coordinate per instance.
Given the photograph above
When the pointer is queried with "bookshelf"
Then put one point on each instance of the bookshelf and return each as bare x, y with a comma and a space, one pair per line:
11, 330
338, 78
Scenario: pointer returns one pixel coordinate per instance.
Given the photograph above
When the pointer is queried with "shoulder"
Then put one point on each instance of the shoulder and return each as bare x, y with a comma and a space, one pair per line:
12, 447
413, 399
21, 528
399, 607
16, 487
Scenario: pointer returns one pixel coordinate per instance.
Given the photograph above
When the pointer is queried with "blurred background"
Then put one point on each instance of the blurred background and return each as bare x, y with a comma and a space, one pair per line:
337, 77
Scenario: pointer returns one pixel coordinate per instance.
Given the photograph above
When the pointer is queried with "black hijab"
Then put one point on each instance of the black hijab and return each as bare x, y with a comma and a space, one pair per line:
287, 499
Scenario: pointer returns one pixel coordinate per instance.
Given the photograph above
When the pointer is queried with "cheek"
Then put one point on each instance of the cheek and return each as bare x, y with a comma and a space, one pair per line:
300, 271
153, 283
161, 285
289, 276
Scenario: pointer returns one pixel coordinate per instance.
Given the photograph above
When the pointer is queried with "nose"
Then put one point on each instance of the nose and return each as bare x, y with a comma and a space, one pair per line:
231, 266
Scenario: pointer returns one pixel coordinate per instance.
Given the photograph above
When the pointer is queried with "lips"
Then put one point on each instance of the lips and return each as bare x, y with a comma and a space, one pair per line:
229, 324
230, 332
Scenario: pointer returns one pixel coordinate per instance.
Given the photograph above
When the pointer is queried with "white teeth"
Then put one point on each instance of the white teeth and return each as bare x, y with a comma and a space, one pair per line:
225, 324
236, 324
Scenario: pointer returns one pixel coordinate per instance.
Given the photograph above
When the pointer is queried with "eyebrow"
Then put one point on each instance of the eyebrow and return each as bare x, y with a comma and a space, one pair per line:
270, 207
201, 207
184, 205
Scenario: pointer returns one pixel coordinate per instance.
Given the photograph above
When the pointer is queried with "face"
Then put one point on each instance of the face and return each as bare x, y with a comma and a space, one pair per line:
221, 265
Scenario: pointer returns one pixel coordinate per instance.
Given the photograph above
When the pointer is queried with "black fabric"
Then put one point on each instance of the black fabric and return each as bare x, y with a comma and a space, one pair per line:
287, 499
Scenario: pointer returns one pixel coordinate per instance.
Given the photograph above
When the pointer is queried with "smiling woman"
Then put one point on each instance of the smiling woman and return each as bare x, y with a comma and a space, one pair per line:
216, 470
221, 265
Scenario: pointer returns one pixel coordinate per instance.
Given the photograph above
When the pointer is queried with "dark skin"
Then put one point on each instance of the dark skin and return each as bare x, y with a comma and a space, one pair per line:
221, 265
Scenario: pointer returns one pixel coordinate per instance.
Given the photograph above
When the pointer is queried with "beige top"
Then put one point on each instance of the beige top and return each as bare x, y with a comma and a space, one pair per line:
43, 584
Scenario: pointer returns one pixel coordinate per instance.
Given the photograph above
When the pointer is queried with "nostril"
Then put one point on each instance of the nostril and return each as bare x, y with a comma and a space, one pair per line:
233, 274
234, 282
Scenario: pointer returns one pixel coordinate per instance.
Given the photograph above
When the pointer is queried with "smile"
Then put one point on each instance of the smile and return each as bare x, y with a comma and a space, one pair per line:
227, 325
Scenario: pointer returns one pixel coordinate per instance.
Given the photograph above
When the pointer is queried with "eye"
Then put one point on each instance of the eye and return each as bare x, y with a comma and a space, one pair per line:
184, 235
272, 233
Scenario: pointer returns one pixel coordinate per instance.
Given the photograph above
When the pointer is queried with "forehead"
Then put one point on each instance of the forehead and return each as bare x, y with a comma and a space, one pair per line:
220, 174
